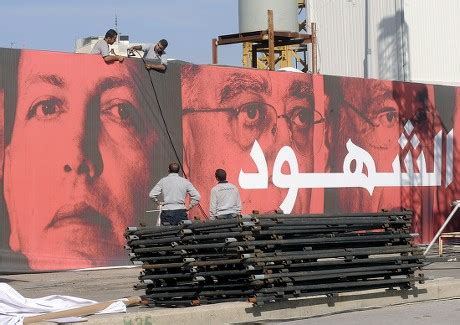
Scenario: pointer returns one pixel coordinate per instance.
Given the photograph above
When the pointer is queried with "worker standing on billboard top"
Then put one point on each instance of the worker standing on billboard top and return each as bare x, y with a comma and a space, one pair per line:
225, 199
102, 47
154, 52
174, 188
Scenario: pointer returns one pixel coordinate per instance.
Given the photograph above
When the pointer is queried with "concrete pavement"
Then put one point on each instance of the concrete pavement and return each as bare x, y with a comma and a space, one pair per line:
108, 284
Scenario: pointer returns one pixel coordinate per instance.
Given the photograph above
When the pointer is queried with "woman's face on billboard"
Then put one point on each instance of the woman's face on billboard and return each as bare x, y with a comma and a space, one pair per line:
79, 162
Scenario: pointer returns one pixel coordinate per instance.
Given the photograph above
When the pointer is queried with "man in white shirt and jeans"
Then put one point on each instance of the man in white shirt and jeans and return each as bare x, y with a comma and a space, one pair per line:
225, 201
174, 189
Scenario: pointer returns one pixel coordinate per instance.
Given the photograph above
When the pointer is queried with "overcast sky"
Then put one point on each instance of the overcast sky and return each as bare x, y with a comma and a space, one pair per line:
188, 26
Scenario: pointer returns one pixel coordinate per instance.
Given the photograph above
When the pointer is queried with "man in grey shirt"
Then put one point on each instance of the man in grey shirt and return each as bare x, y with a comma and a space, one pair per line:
102, 47
174, 189
154, 52
225, 199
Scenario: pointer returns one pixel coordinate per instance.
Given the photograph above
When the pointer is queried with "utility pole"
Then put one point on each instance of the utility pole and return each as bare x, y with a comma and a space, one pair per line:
116, 27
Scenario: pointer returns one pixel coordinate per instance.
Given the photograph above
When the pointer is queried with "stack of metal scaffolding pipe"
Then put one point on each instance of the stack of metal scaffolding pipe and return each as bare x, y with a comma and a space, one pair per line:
267, 258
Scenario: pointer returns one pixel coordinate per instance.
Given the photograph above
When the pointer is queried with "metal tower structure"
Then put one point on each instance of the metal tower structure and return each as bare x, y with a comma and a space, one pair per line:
269, 49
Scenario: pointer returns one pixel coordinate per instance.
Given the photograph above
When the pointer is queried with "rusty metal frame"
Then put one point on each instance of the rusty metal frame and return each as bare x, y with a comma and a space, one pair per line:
267, 40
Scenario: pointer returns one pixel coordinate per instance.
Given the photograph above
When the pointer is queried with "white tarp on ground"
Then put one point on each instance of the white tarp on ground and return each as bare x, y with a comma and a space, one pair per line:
14, 307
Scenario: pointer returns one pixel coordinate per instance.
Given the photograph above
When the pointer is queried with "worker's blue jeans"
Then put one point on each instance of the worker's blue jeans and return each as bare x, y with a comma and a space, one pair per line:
173, 217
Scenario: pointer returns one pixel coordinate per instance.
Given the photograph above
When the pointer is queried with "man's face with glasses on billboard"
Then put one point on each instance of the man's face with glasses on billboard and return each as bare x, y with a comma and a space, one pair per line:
375, 114
226, 110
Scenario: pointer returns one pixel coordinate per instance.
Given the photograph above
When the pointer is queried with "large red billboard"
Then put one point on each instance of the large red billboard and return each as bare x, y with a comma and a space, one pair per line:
83, 145
83, 142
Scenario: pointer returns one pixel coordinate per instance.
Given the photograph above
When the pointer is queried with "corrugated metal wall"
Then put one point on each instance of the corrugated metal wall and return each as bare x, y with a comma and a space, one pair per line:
408, 40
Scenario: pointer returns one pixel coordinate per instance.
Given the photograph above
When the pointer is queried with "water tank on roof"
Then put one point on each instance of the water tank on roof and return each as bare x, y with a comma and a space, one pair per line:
252, 15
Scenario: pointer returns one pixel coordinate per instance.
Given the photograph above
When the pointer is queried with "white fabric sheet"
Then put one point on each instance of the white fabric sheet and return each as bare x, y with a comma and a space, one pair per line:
14, 307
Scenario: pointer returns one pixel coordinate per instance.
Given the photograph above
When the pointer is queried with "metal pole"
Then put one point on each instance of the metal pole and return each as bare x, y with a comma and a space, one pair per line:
254, 56
214, 50
457, 205
314, 49
271, 41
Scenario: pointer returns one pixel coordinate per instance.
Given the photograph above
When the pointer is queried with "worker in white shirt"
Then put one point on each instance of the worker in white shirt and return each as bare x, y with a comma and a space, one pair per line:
225, 201
174, 189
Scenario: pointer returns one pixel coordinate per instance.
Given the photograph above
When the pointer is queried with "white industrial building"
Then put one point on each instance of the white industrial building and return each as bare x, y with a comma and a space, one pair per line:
407, 40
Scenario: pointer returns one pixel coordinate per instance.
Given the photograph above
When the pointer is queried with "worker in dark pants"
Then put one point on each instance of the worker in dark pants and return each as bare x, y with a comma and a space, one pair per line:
174, 188
225, 201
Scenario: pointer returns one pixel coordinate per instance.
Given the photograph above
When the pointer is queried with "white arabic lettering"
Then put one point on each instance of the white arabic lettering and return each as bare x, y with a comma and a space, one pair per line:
363, 175
257, 180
